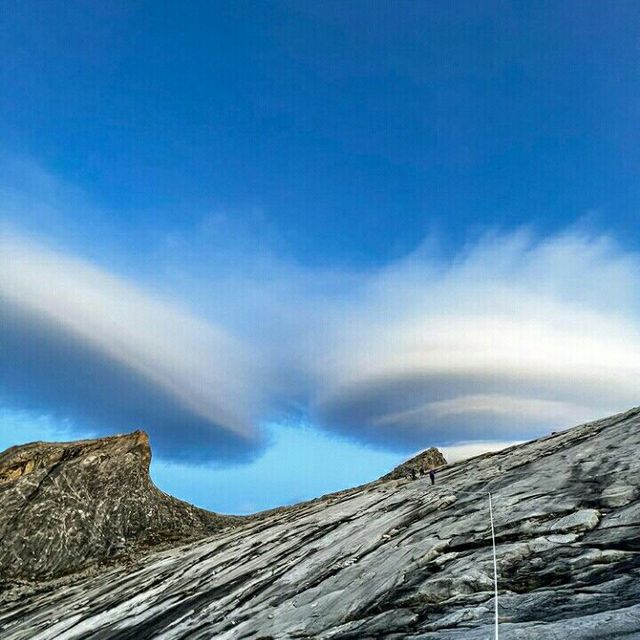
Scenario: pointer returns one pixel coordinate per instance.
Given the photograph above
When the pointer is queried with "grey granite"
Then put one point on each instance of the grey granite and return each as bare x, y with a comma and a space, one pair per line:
393, 559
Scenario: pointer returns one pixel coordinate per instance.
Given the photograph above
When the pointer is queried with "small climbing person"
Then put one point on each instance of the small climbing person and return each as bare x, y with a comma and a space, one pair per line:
432, 476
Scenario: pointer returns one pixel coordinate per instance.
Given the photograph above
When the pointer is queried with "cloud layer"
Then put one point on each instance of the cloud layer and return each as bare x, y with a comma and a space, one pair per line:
510, 337
86, 344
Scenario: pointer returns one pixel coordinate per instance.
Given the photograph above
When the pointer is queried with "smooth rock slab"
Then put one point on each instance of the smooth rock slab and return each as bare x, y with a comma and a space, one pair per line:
393, 559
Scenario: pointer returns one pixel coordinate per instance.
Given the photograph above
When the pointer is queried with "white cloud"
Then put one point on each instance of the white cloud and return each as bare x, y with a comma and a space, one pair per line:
128, 337
492, 405
512, 336
472, 449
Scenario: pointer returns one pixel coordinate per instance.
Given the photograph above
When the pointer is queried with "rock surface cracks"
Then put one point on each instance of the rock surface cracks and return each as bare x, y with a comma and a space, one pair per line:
393, 559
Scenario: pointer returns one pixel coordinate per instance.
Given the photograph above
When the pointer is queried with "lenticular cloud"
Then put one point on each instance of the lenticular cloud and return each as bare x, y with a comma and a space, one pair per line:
85, 344
511, 337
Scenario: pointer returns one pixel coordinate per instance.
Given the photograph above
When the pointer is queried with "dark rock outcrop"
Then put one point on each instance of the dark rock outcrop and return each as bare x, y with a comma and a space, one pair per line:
418, 465
393, 559
65, 505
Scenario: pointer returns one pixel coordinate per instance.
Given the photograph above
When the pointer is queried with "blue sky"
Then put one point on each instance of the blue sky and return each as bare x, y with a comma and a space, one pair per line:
276, 232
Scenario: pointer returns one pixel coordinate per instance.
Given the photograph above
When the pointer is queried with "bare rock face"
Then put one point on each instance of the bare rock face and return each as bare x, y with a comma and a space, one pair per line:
418, 465
64, 505
393, 559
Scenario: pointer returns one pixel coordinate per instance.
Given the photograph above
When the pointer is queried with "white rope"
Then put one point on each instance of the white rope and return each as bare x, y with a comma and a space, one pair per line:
495, 562
495, 559
493, 541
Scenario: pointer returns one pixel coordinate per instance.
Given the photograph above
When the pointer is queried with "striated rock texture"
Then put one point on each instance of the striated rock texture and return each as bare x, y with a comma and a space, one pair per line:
65, 505
418, 465
393, 559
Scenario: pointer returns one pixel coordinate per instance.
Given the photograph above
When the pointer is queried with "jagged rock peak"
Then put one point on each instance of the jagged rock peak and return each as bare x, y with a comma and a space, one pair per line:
66, 505
420, 464
21, 460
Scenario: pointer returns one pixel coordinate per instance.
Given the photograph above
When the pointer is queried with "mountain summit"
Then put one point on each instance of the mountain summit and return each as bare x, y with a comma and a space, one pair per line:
420, 464
66, 505
395, 559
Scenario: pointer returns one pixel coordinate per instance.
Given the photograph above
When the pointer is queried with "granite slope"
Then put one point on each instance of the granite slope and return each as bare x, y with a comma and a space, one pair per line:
393, 559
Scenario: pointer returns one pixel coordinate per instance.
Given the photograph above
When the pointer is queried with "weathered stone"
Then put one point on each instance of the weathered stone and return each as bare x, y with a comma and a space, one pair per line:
390, 560
65, 505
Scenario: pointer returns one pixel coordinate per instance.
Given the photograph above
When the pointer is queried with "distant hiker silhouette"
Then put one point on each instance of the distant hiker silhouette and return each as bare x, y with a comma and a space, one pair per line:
432, 475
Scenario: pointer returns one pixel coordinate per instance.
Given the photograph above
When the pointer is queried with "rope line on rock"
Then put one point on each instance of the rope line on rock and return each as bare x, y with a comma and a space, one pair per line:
493, 542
